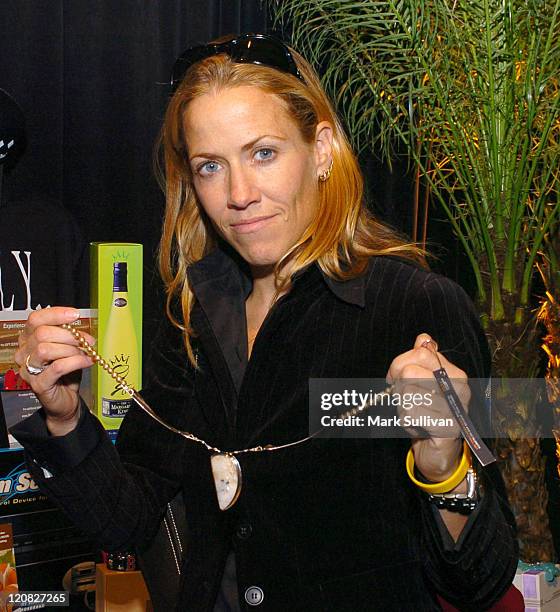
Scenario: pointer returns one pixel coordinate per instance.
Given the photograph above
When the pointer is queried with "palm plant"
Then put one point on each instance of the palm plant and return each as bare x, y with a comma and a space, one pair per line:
469, 92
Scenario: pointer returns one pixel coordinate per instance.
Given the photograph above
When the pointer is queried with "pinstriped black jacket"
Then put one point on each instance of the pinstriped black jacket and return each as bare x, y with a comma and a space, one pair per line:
326, 525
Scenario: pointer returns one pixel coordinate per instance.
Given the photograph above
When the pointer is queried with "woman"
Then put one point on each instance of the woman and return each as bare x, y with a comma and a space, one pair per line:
275, 274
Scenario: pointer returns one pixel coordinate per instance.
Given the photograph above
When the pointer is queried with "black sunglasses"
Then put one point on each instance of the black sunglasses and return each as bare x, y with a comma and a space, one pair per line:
246, 49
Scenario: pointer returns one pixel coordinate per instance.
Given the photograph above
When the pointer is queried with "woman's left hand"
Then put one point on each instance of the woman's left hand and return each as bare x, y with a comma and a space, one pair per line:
435, 457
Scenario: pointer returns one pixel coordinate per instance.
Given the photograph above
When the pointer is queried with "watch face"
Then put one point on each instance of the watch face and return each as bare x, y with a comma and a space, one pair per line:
227, 479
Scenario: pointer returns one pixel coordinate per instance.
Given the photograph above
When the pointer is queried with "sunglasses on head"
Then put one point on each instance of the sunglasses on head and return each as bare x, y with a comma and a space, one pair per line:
259, 49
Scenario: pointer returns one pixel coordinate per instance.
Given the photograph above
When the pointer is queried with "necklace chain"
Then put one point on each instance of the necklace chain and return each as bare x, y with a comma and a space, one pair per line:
143, 404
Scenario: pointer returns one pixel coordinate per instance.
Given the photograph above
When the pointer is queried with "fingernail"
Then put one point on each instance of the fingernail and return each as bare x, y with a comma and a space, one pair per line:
72, 314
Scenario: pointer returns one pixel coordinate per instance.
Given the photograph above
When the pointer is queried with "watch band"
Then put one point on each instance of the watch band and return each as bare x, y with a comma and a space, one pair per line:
464, 503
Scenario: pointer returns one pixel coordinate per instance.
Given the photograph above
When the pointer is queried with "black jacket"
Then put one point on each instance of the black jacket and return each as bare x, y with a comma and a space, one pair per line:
325, 525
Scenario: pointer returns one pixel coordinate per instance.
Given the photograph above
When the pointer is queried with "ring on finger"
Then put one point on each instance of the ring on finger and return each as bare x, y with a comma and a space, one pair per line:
430, 341
33, 370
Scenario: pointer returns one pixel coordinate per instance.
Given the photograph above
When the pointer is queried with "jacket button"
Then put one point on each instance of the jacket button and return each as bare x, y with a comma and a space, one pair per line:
244, 531
254, 596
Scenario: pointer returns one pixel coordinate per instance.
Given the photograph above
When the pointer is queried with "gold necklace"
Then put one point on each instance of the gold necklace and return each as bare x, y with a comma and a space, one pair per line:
226, 469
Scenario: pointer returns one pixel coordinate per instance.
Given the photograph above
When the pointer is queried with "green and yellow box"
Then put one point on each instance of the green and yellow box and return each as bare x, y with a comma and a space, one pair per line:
116, 295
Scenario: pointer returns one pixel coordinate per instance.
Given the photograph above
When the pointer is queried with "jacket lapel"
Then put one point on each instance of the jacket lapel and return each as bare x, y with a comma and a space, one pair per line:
220, 288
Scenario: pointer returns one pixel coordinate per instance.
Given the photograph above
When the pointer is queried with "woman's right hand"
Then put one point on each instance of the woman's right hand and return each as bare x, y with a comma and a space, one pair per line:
44, 344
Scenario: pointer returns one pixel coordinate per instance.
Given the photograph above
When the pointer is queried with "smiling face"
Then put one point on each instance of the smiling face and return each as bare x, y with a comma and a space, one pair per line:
254, 175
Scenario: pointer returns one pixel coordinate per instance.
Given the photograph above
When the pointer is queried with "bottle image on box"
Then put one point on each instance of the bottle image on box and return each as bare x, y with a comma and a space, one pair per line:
120, 346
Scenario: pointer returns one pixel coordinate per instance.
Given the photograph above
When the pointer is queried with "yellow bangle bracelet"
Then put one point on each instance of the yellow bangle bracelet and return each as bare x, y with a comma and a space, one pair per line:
446, 485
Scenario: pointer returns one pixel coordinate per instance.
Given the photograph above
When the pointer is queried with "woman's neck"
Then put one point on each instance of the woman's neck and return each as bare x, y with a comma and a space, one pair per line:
264, 287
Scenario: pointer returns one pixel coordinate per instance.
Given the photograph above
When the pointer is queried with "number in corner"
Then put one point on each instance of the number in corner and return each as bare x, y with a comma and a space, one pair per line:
31, 598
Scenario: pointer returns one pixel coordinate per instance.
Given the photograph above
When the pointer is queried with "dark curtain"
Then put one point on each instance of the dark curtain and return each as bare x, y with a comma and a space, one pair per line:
90, 77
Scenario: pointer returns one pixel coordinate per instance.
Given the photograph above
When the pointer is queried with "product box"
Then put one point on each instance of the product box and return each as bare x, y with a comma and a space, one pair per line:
116, 295
120, 591
17, 401
8, 573
539, 594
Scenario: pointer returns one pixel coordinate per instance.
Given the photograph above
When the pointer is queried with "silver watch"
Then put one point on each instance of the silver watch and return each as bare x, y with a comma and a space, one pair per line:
464, 503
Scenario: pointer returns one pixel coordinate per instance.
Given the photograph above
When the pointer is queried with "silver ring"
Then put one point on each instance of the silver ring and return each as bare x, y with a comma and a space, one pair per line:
34, 371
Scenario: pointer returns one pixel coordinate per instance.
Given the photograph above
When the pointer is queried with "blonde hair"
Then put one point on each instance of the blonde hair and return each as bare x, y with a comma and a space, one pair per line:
341, 238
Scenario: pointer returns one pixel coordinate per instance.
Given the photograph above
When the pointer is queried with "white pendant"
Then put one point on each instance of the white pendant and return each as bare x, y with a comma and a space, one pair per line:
227, 479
